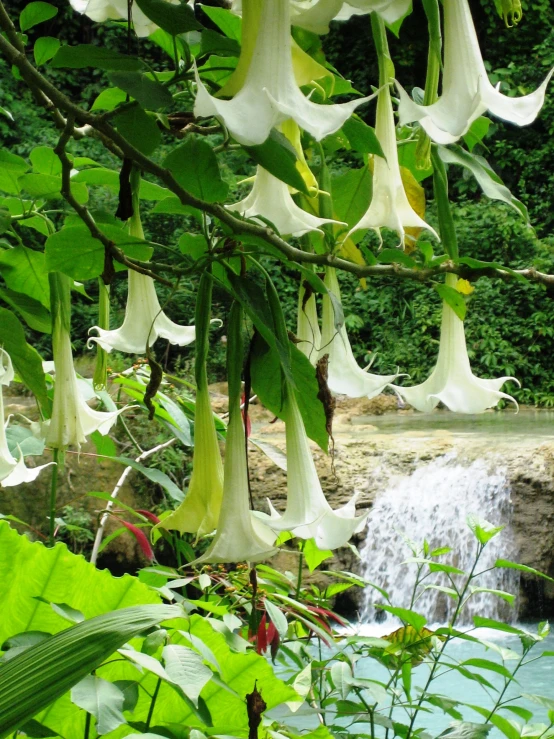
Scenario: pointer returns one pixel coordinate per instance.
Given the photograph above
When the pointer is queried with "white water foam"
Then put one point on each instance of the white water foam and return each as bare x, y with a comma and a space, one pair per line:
433, 505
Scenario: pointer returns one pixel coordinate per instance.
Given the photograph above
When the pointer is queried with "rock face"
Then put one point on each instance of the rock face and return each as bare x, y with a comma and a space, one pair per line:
372, 449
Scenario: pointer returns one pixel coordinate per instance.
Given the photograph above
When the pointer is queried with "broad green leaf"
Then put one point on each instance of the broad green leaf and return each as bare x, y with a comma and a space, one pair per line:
407, 159
194, 165
11, 168
33, 313
49, 187
24, 271
101, 699
146, 91
452, 298
506, 564
483, 530
22, 438
26, 361
489, 181
186, 669
313, 555
479, 264
35, 13
277, 155
477, 132
490, 623
227, 22
341, 675
407, 616
396, 256
466, 730
487, 664
173, 205
87, 55
361, 137
154, 475
140, 129
277, 617
43, 673
173, 19
510, 729
212, 42
109, 99
45, 48
110, 178
351, 195
45, 160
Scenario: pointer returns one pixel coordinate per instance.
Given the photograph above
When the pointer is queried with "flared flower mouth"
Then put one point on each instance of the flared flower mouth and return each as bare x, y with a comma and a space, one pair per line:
345, 376
452, 382
467, 91
308, 514
389, 207
315, 15
308, 334
270, 200
144, 322
12, 471
103, 10
270, 93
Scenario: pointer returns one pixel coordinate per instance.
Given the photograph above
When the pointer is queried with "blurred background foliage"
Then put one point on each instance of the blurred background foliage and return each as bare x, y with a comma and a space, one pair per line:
509, 327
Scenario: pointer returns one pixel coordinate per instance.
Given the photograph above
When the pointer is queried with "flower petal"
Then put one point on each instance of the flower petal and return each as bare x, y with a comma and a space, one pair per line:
21, 474
308, 334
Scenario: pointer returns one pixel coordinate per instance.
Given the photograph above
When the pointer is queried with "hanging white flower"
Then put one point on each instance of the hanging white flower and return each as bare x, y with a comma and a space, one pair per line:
466, 90
308, 514
308, 334
452, 382
72, 419
241, 536
271, 199
144, 321
315, 15
12, 471
270, 94
103, 10
389, 207
345, 376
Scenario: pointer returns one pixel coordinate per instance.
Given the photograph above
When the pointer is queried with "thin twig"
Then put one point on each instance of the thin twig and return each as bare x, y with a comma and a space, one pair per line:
115, 492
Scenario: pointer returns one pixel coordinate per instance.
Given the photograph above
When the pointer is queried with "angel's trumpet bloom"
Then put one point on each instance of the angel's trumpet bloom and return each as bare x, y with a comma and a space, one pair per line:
271, 199
12, 471
308, 514
389, 207
103, 10
308, 334
467, 91
240, 536
452, 381
144, 320
199, 512
315, 15
270, 94
345, 376
72, 419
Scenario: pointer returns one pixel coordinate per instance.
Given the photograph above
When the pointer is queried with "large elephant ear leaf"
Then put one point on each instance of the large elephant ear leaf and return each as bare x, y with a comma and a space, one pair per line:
41, 674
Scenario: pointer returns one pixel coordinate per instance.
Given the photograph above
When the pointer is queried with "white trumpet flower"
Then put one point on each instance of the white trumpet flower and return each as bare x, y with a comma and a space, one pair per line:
452, 382
12, 471
144, 321
315, 15
345, 376
467, 91
103, 10
308, 334
72, 419
270, 94
241, 536
271, 199
308, 514
389, 207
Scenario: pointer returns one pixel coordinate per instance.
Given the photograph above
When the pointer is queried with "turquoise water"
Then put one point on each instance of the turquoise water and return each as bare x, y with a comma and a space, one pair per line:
536, 678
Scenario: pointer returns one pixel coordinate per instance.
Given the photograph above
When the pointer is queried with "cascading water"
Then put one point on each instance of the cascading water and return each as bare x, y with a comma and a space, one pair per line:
433, 505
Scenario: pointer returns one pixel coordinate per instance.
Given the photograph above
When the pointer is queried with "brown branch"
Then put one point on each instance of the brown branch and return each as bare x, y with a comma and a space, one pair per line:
38, 83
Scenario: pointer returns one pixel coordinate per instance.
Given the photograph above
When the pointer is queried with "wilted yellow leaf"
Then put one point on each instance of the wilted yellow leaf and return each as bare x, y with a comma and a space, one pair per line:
350, 251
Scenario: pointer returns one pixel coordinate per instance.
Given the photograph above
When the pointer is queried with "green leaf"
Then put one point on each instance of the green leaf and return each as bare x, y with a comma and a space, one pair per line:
407, 616
477, 132
313, 555
25, 358
186, 669
32, 680
486, 664
483, 530
37, 730
277, 617
109, 99
45, 48
466, 730
351, 195
361, 137
11, 168
33, 313
101, 699
146, 91
407, 158
490, 623
174, 19
154, 475
194, 165
36, 13
506, 564
49, 186
110, 178
479, 264
140, 129
277, 155
452, 298
22, 438
212, 42
341, 675
45, 160
87, 55
489, 181
396, 256
227, 22
24, 271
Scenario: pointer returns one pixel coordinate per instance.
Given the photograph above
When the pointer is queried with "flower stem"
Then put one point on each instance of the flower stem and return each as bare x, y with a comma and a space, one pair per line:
386, 67
53, 496
446, 221
423, 148
87, 726
153, 704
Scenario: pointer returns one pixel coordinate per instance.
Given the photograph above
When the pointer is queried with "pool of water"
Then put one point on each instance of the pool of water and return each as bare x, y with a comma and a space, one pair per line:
535, 678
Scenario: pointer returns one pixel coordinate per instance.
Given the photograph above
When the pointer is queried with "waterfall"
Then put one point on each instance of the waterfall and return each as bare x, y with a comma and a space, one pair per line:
433, 505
